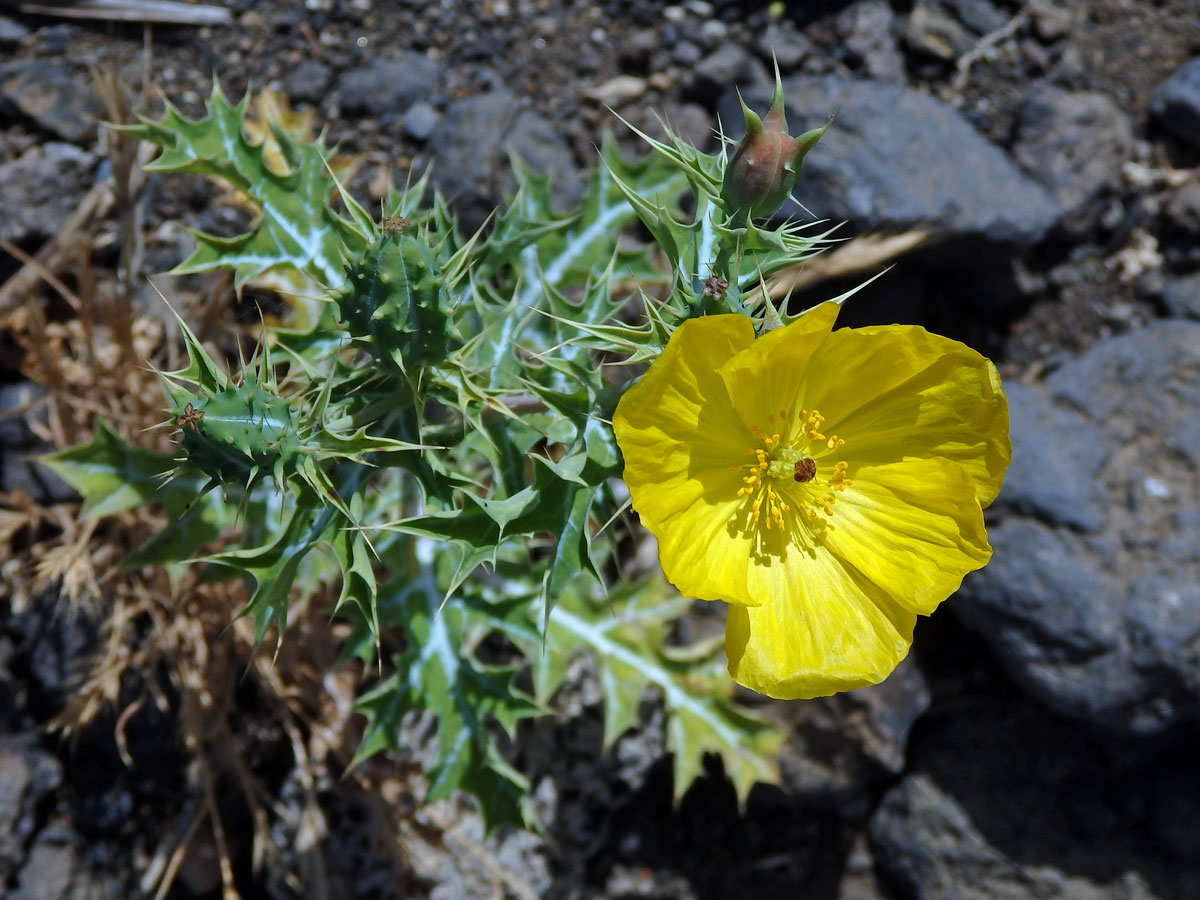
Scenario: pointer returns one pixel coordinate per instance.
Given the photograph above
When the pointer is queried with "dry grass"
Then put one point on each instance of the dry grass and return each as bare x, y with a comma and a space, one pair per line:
84, 339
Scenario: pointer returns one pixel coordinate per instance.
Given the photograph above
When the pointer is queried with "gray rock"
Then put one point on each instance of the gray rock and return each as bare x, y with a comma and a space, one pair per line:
1057, 479
52, 869
1092, 598
1007, 803
867, 32
47, 93
55, 40
389, 87
420, 121
949, 28
727, 67
27, 775
1074, 143
788, 46
896, 158
473, 143
713, 32
1182, 297
1176, 103
12, 32
16, 399
931, 29
40, 189
841, 747
1181, 212
685, 53
925, 843
981, 16
308, 82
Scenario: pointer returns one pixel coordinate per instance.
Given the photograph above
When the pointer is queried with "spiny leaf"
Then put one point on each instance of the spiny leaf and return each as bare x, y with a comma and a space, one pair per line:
113, 476
627, 634
296, 226
438, 672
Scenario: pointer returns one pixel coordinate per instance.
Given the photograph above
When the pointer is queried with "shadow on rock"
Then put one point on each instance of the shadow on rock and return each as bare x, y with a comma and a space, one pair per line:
1007, 801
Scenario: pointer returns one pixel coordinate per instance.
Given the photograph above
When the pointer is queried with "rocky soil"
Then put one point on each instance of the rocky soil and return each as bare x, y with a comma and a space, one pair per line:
1043, 160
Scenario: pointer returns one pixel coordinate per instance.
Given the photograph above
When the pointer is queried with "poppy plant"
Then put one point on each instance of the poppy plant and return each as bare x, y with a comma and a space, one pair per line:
828, 485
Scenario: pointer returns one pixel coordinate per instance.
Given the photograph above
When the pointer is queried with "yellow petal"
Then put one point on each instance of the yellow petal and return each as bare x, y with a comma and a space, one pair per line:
765, 378
913, 528
898, 391
680, 434
831, 631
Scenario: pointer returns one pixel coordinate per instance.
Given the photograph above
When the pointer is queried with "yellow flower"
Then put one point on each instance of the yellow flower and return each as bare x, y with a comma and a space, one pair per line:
829, 485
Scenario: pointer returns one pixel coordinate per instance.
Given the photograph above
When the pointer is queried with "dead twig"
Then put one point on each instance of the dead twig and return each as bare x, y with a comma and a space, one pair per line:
172, 13
58, 252
501, 873
962, 67
851, 258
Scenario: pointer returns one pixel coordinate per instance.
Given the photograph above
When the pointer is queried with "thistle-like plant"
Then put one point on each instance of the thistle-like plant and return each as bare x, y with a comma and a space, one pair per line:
437, 447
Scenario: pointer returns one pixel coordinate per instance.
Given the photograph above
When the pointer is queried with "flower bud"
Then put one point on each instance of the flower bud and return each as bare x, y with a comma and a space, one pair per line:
763, 170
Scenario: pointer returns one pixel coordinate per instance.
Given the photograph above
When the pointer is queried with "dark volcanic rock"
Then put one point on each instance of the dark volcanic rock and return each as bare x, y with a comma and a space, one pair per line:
420, 121
17, 402
473, 143
47, 94
1007, 802
1092, 599
309, 81
841, 747
50, 870
38, 190
725, 67
12, 32
1074, 143
867, 33
389, 87
896, 158
1057, 482
1181, 213
788, 46
26, 776
949, 28
1182, 296
1176, 103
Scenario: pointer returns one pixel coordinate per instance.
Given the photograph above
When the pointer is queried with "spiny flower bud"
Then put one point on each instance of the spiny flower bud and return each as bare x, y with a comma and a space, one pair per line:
763, 170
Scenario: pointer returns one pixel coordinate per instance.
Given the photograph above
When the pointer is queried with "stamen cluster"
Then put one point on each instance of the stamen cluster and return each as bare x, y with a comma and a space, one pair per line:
776, 461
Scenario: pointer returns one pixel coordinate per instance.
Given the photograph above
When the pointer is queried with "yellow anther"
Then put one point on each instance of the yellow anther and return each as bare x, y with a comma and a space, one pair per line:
772, 471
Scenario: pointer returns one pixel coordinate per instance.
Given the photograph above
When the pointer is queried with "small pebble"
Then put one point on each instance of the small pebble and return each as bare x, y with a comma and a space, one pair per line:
420, 121
713, 32
686, 53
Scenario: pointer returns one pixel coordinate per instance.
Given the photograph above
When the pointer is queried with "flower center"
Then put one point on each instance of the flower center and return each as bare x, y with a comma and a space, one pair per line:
792, 472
